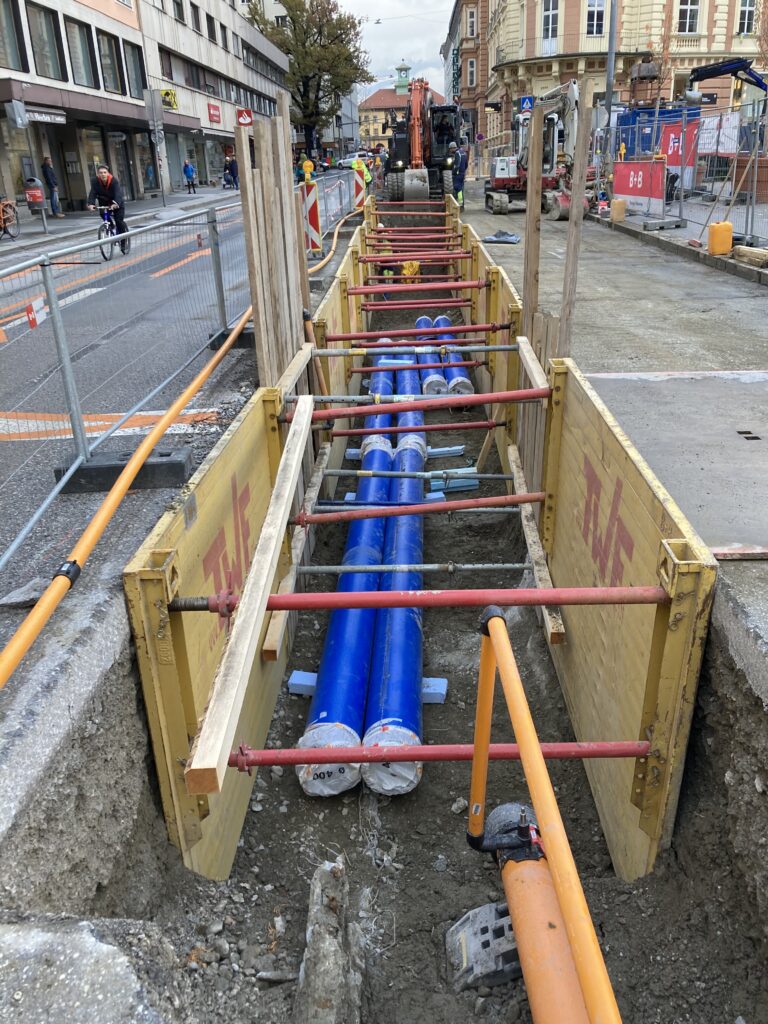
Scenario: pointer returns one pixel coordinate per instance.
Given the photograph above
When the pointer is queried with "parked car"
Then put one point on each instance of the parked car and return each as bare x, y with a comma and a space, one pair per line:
347, 161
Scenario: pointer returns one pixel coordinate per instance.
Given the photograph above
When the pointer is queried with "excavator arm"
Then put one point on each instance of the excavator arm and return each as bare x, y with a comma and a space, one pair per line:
738, 67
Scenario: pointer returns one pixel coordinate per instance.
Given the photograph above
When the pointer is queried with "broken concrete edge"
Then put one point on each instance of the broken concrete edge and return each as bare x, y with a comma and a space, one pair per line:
329, 989
721, 263
743, 626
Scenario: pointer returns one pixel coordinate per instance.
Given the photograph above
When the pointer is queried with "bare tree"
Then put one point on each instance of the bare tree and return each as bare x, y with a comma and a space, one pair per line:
761, 33
662, 53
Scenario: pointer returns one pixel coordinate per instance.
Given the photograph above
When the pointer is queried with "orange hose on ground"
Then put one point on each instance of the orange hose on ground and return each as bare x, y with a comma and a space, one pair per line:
551, 981
332, 250
53, 595
593, 976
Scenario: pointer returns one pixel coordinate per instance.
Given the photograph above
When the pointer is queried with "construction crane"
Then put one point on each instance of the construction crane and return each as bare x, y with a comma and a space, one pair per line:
420, 161
509, 172
737, 67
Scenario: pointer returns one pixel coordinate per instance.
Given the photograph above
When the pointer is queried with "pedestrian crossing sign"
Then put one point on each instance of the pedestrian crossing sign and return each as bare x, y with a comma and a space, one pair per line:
526, 103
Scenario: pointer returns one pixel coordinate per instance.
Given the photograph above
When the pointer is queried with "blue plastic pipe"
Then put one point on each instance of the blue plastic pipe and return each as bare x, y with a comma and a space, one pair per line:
432, 381
336, 714
459, 381
393, 713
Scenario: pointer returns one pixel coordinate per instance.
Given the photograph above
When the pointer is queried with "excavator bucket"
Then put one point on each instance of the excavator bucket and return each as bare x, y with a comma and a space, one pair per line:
416, 184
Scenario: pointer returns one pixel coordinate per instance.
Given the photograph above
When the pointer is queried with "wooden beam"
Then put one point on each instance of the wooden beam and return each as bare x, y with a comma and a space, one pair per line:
552, 620
531, 365
300, 555
207, 765
533, 219
578, 189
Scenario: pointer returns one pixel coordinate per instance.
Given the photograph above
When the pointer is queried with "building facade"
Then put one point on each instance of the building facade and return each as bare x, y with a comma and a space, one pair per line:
207, 59
73, 76
535, 45
465, 60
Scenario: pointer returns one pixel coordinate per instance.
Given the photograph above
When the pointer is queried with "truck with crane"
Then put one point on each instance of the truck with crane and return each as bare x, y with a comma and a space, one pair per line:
420, 160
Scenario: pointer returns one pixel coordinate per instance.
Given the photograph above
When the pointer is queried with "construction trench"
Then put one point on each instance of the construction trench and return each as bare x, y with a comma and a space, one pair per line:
216, 921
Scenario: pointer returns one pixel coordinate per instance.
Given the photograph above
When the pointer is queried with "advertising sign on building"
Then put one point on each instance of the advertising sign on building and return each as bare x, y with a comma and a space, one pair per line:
214, 113
170, 99
244, 116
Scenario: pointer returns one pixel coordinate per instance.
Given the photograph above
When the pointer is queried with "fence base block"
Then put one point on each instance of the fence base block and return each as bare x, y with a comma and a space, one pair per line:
166, 467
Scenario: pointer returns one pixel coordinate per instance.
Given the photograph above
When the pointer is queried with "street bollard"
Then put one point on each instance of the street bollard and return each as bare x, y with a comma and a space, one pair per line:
218, 274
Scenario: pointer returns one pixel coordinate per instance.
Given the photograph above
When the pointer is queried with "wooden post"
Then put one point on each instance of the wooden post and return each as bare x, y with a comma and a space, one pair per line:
533, 220
578, 188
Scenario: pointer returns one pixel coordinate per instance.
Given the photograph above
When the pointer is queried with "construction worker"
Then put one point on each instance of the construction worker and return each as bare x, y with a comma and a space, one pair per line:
459, 172
359, 165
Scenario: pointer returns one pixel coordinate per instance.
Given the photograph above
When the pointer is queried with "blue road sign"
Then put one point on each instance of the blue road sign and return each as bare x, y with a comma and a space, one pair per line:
526, 103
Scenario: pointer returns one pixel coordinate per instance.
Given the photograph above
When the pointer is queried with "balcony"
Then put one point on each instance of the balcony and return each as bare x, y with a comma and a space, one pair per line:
576, 44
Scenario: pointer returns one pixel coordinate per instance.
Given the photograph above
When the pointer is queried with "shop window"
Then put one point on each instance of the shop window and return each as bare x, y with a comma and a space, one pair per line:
45, 33
224, 37
111, 65
194, 10
82, 56
211, 27
134, 63
12, 54
688, 17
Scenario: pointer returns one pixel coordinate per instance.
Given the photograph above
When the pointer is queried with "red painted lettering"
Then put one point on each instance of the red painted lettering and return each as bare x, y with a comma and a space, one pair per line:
608, 547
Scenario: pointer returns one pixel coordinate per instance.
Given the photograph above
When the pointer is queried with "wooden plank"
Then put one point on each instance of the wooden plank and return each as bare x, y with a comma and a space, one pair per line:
576, 219
275, 639
284, 170
552, 620
208, 764
248, 197
755, 257
533, 220
302, 253
272, 241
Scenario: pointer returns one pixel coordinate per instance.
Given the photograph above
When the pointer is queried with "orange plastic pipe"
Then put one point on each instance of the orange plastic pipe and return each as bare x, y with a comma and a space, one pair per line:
53, 595
483, 715
551, 981
590, 966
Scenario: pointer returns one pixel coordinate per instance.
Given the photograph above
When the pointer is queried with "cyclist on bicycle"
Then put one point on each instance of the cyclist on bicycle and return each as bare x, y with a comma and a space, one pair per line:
106, 191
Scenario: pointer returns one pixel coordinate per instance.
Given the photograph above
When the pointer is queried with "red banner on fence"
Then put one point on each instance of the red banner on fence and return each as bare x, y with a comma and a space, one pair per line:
672, 143
642, 184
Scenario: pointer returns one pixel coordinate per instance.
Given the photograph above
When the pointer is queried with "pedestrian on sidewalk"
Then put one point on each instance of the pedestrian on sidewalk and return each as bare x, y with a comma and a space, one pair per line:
53, 186
189, 173
234, 172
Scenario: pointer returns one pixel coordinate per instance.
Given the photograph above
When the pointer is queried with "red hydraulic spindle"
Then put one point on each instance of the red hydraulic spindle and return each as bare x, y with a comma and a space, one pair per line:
247, 757
418, 304
410, 332
430, 342
427, 404
532, 598
423, 508
425, 257
426, 428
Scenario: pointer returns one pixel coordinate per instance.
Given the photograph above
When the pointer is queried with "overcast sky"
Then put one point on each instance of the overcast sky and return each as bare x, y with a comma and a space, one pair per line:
400, 34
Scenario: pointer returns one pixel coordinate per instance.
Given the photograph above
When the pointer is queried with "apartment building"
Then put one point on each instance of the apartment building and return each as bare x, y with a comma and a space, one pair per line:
73, 75
534, 45
465, 60
207, 59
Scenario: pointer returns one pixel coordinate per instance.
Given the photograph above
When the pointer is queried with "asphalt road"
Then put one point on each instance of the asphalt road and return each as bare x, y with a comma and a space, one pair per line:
129, 323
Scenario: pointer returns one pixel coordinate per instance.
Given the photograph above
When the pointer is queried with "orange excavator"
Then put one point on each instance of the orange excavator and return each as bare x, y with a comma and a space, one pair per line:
420, 161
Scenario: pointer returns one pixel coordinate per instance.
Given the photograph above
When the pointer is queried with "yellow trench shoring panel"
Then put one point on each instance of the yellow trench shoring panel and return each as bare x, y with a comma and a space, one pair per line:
626, 672
196, 550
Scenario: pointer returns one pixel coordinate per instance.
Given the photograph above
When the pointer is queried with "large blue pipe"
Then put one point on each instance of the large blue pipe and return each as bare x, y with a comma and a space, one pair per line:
336, 714
393, 713
459, 381
432, 381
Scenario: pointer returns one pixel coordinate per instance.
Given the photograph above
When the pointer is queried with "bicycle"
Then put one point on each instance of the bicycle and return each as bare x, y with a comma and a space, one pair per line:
9, 218
107, 230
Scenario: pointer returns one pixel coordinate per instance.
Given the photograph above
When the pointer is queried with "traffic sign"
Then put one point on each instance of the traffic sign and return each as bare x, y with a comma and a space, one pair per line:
479, 137
526, 103
158, 137
244, 116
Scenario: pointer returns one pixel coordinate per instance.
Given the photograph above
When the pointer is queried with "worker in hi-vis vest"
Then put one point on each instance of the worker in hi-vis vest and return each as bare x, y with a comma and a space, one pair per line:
359, 165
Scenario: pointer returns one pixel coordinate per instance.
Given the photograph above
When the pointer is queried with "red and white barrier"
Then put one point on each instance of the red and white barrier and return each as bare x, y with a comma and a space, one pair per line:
359, 189
313, 238
642, 183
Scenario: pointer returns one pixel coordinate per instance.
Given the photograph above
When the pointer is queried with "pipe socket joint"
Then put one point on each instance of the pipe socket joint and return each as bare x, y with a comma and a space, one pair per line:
414, 442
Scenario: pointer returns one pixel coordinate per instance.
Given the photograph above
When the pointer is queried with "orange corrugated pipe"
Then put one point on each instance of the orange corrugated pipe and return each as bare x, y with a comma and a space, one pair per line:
549, 971
57, 589
596, 987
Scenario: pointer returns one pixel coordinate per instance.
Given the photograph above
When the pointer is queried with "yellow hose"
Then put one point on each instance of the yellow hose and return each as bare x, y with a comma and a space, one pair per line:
329, 255
52, 597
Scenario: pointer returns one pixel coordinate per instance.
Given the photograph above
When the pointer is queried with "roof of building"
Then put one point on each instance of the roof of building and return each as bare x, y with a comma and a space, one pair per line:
389, 99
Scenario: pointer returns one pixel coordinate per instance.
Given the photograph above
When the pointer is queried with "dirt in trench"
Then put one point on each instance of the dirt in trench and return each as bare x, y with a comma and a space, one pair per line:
675, 944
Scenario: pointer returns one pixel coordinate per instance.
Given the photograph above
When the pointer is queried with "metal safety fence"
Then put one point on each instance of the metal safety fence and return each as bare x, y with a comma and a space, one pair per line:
715, 166
93, 342
324, 206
